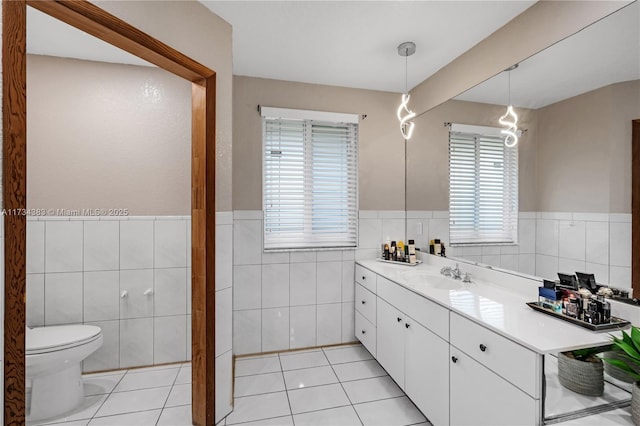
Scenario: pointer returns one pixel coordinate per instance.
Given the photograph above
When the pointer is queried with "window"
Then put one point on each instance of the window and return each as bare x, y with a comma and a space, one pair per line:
309, 179
483, 186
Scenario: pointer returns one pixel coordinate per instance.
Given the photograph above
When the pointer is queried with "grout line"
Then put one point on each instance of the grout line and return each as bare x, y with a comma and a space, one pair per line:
108, 396
285, 390
343, 389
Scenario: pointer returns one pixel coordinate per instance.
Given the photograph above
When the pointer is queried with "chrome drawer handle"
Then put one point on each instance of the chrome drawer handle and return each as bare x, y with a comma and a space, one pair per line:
364, 302
454, 359
483, 347
399, 319
406, 325
364, 332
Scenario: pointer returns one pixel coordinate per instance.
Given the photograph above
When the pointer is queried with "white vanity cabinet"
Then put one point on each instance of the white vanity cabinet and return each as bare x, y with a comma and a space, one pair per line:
480, 397
415, 357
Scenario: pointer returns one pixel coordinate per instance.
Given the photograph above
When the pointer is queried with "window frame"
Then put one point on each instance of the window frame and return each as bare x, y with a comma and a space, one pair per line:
311, 118
477, 237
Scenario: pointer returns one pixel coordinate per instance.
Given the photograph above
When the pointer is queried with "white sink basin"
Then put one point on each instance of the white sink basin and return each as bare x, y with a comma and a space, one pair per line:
433, 281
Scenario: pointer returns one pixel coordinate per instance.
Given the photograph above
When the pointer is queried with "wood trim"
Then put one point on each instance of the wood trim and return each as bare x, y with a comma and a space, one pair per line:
93, 20
635, 208
14, 196
203, 250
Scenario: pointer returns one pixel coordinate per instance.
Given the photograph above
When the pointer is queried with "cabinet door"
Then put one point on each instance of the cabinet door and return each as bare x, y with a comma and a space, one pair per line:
427, 372
390, 328
480, 397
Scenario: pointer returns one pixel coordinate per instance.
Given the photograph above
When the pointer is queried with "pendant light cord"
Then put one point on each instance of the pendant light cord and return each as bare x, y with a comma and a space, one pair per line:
406, 70
509, 87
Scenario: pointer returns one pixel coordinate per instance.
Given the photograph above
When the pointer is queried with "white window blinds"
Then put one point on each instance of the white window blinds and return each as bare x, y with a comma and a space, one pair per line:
309, 181
483, 189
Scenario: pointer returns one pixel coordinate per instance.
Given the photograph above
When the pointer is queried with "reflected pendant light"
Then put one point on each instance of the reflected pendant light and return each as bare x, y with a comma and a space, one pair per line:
510, 119
404, 114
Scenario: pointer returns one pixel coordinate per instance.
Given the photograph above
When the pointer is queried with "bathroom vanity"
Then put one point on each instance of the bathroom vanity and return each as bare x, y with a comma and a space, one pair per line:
465, 353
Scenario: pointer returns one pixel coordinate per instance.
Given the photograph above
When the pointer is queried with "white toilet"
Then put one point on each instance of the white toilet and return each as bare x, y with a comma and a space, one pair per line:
53, 357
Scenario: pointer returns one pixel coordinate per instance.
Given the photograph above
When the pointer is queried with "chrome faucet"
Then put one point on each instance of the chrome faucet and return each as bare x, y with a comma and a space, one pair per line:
446, 271
455, 273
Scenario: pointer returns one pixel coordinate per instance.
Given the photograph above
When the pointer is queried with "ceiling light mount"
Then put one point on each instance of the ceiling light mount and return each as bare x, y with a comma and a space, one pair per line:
405, 50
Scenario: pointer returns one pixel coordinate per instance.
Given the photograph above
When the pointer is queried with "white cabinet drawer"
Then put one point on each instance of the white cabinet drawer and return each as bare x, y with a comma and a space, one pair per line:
429, 314
366, 303
366, 333
514, 362
366, 278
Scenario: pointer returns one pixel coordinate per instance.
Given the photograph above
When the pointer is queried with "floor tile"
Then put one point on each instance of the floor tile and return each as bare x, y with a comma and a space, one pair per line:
262, 383
137, 400
342, 416
350, 354
389, 412
86, 410
98, 385
359, 370
256, 407
247, 367
295, 361
142, 418
176, 416
147, 379
179, 395
371, 389
75, 423
307, 377
317, 398
184, 375
276, 421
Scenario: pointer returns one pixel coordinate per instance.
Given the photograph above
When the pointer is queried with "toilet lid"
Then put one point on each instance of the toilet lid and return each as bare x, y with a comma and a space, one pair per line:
60, 336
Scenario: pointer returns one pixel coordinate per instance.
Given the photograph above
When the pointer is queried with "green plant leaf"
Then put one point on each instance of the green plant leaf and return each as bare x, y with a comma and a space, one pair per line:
623, 366
630, 350
635, 337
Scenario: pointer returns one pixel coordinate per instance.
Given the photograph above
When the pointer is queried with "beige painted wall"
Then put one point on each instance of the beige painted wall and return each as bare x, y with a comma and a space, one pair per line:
381, 155
585, 151
107, 136
428, 153
194, 30
535, 29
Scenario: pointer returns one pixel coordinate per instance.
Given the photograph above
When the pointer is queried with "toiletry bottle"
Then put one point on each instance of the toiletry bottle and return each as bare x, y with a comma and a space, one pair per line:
442, 252
437, 247
386, 252
412, 252
400, 250
432, 247
392, 251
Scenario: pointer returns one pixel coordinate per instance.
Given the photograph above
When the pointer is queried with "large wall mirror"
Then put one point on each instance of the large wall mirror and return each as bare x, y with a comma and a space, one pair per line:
575, 102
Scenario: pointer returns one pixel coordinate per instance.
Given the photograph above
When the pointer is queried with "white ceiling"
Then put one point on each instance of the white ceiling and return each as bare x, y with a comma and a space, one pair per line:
49, 36
354, 43
604, 53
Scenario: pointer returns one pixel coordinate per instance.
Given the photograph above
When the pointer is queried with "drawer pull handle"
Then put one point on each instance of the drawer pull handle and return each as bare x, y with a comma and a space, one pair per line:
406, 325
364, 278
364, 332
483, 347
399, 319
364, 302
454, 359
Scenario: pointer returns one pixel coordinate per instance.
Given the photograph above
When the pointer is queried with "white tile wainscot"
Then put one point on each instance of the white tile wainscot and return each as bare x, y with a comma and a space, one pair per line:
477, 345
79, 267
288, 300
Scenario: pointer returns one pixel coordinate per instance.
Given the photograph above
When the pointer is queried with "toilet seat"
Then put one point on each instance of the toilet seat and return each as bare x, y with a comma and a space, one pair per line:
56, 338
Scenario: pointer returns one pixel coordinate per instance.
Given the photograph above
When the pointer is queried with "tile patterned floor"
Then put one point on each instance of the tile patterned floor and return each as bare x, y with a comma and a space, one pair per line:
332, 386
145, 396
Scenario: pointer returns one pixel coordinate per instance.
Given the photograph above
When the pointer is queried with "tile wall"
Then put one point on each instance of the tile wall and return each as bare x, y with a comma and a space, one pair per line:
128, 275
548, 242
288, 300
224, 322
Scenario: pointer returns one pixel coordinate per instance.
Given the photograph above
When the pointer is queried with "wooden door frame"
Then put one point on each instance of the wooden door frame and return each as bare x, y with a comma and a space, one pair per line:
635, 207
91, 19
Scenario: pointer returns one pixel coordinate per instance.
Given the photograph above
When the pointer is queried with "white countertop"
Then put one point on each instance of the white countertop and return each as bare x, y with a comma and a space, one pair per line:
493, 306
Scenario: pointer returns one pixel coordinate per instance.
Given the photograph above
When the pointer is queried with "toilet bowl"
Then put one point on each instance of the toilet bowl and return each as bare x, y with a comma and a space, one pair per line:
53, 357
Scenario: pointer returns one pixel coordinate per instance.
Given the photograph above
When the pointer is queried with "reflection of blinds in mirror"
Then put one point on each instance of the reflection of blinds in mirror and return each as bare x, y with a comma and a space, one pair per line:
483, 189
309, 184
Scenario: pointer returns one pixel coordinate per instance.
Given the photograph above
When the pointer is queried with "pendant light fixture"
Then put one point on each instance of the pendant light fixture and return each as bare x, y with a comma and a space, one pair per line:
406, 49
510, 119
